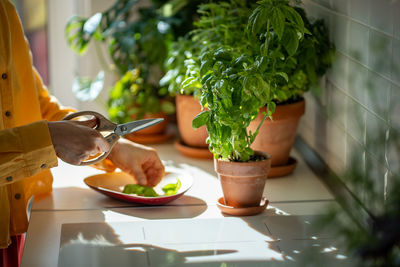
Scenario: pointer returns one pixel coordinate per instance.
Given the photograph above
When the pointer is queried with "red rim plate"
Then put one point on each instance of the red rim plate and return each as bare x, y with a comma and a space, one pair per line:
112, 184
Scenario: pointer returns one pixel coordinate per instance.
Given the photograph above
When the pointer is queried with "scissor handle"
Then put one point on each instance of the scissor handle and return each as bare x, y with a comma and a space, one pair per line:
103, 125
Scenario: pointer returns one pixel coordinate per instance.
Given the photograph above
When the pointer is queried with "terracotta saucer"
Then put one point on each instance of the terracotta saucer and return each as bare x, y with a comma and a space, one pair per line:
242, 211
282, 170
193, 152
149, 138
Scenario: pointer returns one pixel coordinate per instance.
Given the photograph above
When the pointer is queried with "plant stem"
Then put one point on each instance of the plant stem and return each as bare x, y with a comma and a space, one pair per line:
266, 39
262, 121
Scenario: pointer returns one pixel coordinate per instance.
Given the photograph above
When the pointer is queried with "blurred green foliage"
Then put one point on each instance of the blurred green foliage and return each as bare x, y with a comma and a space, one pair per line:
138, 38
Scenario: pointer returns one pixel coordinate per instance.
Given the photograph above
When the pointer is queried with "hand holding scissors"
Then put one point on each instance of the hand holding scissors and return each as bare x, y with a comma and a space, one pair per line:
112, 131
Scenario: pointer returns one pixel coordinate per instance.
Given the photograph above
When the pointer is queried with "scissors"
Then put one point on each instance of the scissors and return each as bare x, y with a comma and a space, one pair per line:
115, 130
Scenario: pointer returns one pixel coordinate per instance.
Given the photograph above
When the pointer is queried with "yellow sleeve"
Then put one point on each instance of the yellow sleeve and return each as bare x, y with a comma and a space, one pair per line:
25, 151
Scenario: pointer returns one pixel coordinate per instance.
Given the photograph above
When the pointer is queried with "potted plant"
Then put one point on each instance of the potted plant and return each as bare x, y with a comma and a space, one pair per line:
131, 99
137, 46
182, 61
303, 67
238, 77
183, 80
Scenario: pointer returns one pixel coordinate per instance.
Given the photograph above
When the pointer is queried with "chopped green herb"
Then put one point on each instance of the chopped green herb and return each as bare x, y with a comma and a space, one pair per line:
145, 191
139, 190
171, 189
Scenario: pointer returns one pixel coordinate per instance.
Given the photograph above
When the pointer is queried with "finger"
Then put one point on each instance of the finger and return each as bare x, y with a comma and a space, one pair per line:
139, 175
84, 156
102, 144
154, 172
154, 176
71, 159
95, 151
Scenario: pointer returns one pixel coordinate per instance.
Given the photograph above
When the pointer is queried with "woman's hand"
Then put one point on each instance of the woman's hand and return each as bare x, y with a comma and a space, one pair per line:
141, 162
75, 141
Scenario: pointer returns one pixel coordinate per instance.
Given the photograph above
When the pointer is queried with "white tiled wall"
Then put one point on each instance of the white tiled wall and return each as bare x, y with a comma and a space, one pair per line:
354, 124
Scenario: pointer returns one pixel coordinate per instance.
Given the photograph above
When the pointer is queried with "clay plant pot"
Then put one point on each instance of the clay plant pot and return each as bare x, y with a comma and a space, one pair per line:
276, 137
187, 107
155, 134
243, 182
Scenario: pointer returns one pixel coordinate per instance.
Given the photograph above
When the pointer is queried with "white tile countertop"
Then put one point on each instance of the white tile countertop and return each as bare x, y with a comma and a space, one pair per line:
76, 226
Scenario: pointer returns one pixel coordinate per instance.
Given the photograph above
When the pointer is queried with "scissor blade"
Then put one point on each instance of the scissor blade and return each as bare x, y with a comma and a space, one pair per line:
130, 127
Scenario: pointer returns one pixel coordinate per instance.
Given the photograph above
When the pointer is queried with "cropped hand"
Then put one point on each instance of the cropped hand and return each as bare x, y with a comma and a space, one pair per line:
141, 162
75, 141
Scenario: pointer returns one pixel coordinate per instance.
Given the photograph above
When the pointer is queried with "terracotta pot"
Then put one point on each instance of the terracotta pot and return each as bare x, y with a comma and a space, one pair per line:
156, 129
276, 137
243, 182
187, 107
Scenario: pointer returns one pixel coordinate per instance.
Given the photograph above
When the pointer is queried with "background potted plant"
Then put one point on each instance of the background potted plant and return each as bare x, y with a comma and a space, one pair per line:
182, 62
183, 76
303, 68
238, 77
137, 39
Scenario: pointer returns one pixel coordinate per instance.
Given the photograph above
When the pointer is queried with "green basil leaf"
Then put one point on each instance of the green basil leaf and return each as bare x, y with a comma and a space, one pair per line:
283, 75
278, 22
272, 107
188, 82
281, 95
293, 16
222, 55
290, 40
139, 190
172, 189
201, 119
255, 21
204, 67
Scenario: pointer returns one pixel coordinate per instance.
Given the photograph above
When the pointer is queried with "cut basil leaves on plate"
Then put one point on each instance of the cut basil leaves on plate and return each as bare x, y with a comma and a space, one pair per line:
145, 191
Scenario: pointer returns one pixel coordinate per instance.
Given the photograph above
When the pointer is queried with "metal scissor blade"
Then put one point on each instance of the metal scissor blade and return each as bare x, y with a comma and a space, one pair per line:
130, 127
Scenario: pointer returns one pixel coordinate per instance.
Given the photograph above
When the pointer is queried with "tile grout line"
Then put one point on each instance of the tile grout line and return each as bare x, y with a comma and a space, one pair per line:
390, 79
368, 68
363, 145
353, 20
358, 102
387, 35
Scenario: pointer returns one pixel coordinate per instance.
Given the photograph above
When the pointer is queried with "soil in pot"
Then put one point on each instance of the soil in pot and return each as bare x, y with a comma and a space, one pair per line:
243, 182
276, 137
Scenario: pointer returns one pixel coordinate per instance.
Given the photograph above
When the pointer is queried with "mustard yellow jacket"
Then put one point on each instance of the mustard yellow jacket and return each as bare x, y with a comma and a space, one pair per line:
26, 150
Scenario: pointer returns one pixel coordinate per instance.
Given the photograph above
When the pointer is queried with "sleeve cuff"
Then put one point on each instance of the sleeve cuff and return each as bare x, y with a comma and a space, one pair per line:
39, 153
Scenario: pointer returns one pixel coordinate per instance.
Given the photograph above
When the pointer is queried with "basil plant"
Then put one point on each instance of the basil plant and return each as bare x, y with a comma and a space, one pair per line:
242, 66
